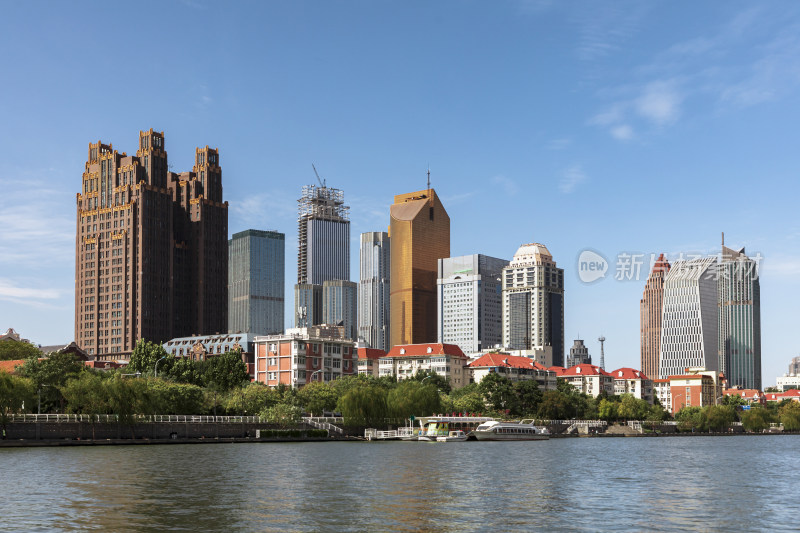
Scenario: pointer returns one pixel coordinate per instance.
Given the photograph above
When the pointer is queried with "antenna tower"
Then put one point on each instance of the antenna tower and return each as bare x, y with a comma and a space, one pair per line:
602, 339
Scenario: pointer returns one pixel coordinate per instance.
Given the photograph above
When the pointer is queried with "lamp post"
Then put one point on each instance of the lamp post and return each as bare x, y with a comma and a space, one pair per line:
311, 378
162, 358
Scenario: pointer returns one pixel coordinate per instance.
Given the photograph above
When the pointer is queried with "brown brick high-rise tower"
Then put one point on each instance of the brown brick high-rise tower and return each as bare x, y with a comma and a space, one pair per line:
650, 308
419, 230
151, 248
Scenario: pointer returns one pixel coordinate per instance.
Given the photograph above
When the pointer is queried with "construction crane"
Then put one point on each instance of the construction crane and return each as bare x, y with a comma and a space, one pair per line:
322, 183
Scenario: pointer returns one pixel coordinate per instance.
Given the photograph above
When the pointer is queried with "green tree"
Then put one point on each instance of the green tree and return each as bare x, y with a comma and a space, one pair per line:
432, 378
499, 393
413, 398
182, 370
250, 399
87, 394
772, 389
145, 355
176, 398
529, 396
467, 399
789, 413
734, 399
756, 420
656, 413
632, 408
555, 405
224, 372
719, 417
49, 375
607, 410
11, 350
16, 393
283, 414
318, 397
364, 406
691, 418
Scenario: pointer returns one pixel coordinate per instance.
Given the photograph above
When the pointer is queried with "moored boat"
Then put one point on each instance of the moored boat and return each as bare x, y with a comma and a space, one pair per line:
453, 436
522, 430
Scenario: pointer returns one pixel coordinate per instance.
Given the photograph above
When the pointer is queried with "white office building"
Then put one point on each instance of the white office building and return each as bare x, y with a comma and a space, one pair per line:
373, 290
689, 322
469, 303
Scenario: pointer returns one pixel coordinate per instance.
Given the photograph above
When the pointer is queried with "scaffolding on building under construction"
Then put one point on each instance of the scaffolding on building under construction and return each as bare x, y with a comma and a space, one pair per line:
320, 203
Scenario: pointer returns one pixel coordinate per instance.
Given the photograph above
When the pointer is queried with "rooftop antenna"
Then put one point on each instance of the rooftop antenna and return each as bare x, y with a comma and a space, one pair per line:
723, 238
322, 183
602, 339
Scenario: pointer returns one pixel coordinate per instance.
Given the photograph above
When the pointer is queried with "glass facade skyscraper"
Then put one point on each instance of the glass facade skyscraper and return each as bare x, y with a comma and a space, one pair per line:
256, 282
373, 289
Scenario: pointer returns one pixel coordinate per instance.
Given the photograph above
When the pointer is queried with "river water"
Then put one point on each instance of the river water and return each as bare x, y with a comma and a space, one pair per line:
603, 484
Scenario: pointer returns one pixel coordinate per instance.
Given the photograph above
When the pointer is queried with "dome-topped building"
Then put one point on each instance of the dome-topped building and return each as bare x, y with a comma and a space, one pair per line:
533, 302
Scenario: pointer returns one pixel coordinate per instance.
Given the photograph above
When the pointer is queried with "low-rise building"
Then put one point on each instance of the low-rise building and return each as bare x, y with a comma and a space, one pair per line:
788, 382
632, 381
589, 379
690, 390
303, 355
792, 394
748, 395
368, 360
514, 368
663, 392
201, 347
447, 360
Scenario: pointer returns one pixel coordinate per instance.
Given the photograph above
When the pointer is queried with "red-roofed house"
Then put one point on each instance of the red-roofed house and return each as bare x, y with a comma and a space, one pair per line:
791, 394
368, 360
10, 366
447, 360
589, 379
514, 368
557, 369
748, 395
632, 381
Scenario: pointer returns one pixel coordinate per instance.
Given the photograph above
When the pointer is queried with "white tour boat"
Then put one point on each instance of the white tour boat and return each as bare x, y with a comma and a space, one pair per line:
522, 430
453, 436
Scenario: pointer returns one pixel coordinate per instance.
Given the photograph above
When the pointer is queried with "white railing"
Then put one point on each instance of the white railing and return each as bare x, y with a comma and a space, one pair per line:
320, 424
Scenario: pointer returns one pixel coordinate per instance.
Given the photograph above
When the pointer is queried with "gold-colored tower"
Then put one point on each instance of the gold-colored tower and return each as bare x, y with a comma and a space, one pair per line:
419, 232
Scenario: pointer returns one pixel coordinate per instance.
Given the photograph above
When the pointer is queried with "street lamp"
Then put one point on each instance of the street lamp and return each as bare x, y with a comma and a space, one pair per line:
311, 378
156, 373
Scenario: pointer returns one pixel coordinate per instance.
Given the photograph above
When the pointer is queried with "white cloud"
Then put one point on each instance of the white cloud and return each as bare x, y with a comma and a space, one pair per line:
9, 291
507, 184
623, 132
571, 178
659, 103
604, 28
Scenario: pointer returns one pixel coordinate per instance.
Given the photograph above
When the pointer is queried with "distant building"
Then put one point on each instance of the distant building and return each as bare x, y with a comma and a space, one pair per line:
788, 382
303, 355
589, 379
739, 341
447, 360
419, 231
339, 306
689, 322
794, 366
663, 393
11, 335
323, 227
542, 355
469, 302
633, 382
579, 354
748, 395
373, 289
256, 282
307, 305
650, 309
151, 250
791, 394
690, 390
514, 368
533, 302
202, 347
368, 360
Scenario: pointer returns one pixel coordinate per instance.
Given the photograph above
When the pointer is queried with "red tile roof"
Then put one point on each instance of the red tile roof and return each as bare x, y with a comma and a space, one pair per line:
9, 366
691, 376
661, 381
744, 393
787, 395
504, 360
370, 353
557, 369
419, 350
584, 370
628, 373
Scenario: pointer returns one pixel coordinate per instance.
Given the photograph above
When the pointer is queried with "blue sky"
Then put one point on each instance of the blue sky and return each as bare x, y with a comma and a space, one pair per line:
617, 126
